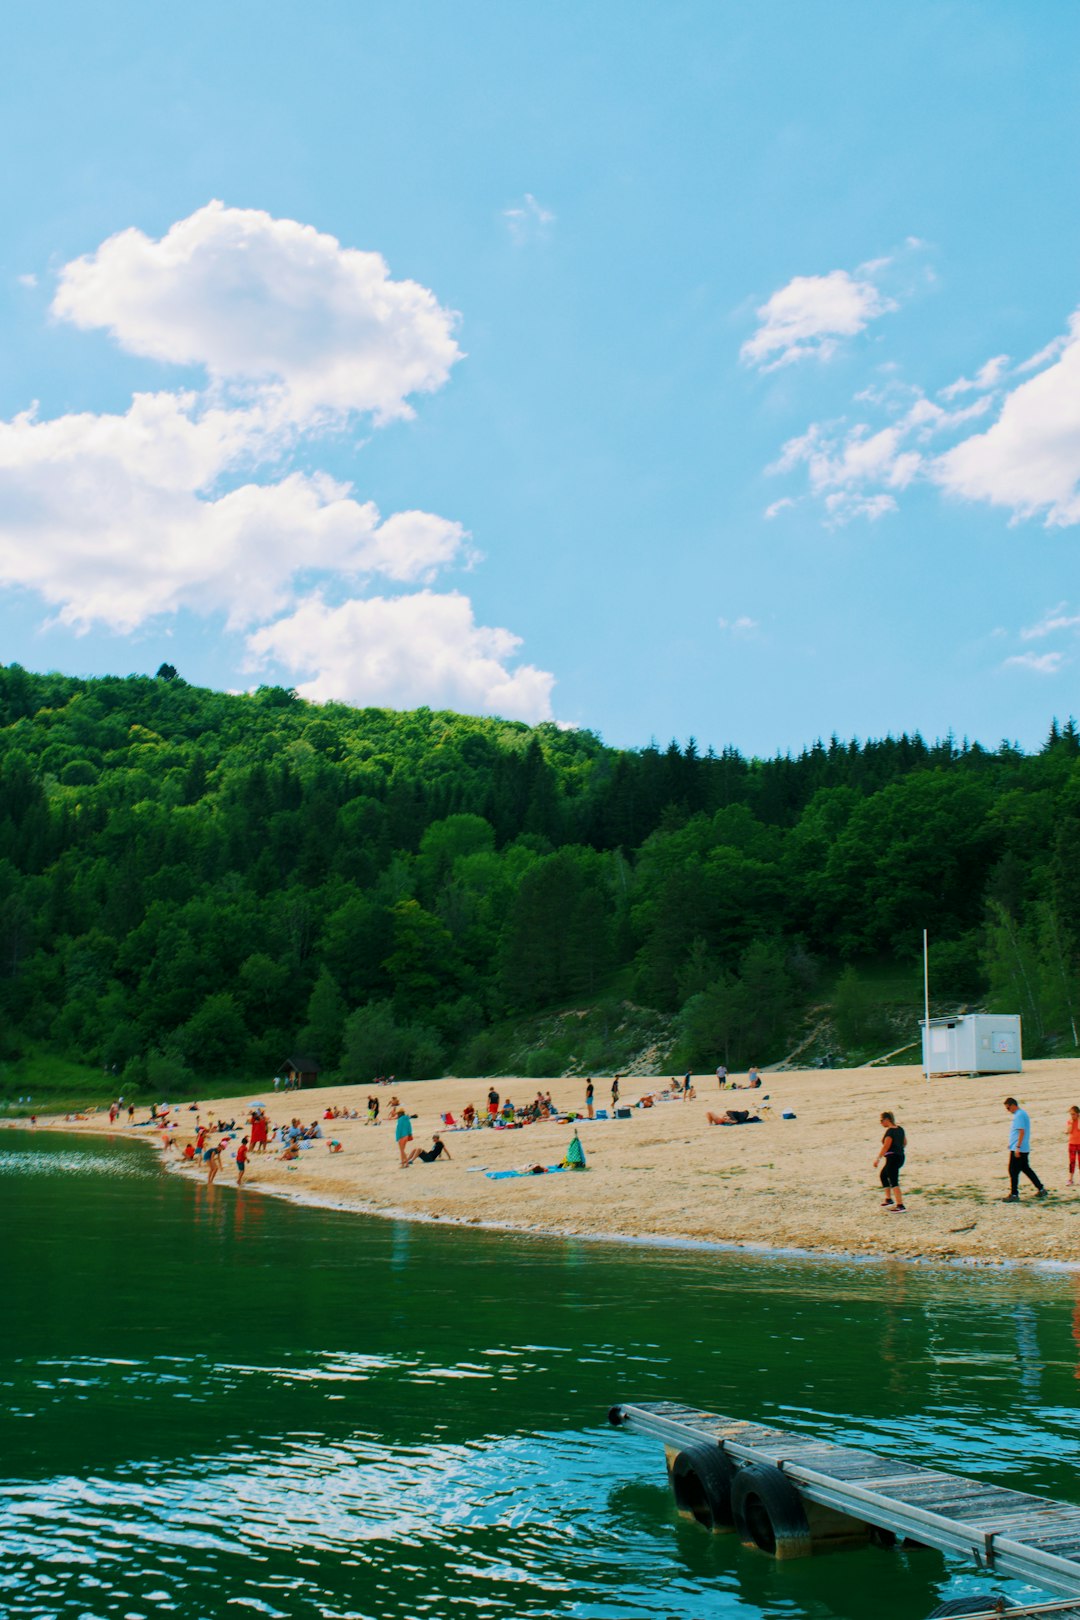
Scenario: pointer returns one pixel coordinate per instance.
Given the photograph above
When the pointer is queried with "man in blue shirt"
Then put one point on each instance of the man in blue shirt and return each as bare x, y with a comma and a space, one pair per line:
1019, 1149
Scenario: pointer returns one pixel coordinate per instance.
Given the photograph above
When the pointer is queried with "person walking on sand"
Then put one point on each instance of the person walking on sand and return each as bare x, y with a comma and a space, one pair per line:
1020, 1154
403, 1134
590, 1094
241, 1160
1072, 1136
891, 1158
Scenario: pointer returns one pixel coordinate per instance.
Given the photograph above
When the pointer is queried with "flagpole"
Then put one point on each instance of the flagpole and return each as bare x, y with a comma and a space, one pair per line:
926, 996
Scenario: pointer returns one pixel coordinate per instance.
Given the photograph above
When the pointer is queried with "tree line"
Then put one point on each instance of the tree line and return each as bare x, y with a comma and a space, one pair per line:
199, 883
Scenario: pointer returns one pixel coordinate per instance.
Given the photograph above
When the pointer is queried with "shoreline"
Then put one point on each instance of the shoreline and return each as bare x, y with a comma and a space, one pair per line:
801, 1188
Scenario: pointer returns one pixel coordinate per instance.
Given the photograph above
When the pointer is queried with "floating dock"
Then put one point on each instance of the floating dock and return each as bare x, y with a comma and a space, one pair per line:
790, 1494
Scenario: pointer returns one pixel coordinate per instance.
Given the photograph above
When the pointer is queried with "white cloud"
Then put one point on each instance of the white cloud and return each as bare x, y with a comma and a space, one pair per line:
105, 517
1038, 663
844, 507
27, 280
185, 501
1051, 623
1029, 459
742, 626
405, 650
809, 316
987, 377
528, 220
108, 518
316, 327
777, 507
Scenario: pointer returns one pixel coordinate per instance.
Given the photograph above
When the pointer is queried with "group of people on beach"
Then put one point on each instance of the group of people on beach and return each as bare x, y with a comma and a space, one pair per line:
893, 1153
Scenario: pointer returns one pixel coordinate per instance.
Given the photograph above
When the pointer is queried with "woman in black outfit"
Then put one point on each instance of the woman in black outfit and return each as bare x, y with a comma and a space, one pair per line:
893, 1150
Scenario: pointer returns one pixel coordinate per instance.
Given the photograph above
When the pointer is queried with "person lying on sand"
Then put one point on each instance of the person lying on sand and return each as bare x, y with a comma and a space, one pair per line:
733, 1116
437, 1150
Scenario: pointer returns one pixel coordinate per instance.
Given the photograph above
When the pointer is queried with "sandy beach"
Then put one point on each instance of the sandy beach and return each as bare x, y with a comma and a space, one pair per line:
805, 1183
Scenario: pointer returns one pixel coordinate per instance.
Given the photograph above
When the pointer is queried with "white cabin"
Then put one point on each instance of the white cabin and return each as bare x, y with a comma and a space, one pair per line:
973, 1043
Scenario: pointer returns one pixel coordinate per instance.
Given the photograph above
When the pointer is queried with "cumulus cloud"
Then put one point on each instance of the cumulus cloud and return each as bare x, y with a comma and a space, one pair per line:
186, 501
113, 519
808, 317
528, 220
267, 302
422, 648
1028, 460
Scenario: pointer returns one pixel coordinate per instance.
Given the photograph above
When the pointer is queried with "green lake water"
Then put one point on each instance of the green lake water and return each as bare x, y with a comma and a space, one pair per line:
219, 1404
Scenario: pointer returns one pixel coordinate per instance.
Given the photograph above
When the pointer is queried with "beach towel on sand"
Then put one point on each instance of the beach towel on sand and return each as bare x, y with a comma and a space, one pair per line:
508, 1175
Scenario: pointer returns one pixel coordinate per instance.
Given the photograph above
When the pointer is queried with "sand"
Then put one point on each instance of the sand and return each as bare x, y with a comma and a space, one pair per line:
805, 1184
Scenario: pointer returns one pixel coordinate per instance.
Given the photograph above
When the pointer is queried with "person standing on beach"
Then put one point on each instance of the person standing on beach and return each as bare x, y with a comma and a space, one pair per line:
893, 1152
615, 1094
687, 1086
590, 1093
403, 1135
213, 1164
1020, 1154
241, 1160
721, 1076
1072, 1135
493, 1103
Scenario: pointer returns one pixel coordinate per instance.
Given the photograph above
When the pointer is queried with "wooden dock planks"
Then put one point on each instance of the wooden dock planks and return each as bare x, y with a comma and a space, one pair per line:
1030, 1536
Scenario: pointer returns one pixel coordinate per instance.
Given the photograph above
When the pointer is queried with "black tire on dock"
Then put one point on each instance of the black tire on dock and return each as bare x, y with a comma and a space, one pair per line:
984, 1603
769, 1513
701, 1481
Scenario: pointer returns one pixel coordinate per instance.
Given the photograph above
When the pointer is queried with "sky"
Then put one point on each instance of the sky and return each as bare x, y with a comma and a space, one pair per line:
696, 369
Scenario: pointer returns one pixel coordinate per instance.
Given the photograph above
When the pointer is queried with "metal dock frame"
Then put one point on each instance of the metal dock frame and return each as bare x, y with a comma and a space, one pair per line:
1004, 1531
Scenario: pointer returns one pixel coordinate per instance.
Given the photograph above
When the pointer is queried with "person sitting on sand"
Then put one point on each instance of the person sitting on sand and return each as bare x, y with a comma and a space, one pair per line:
468, 1116
437, 1150
290, 1151
333, 1146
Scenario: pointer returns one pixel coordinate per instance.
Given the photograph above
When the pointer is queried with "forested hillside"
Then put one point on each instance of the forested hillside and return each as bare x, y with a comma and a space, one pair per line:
194, 882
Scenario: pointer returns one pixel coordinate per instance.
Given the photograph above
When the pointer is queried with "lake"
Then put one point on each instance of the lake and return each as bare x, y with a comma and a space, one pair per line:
217, 1403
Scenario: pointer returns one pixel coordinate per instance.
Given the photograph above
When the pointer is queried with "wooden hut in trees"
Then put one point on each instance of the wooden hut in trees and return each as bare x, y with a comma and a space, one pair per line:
300, 1071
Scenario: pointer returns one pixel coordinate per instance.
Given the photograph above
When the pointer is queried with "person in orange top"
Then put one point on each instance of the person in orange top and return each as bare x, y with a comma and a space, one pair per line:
1072, 1134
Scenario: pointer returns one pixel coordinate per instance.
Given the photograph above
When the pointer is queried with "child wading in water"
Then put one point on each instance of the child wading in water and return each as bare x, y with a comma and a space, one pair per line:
893, 1149
1072, 1133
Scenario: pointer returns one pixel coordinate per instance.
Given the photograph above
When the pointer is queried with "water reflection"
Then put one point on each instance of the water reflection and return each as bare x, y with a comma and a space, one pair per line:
212, 1403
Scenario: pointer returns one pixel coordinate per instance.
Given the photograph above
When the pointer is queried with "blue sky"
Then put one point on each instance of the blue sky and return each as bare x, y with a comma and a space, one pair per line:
673, 370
